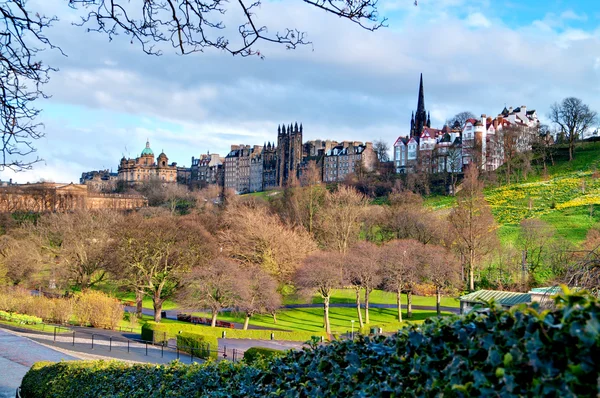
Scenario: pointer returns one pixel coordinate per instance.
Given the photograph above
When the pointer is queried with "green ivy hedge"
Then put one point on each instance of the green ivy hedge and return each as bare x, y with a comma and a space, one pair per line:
202, 346
252, 354
492, 352
170, 330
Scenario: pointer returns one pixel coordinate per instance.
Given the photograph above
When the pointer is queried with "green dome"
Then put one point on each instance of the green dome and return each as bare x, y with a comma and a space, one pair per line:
147, 150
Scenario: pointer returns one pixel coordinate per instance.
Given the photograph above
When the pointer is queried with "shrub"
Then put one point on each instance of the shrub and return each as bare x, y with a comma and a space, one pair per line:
202, 346
492, 352
98, 309
170, 331
254, 354
62, 310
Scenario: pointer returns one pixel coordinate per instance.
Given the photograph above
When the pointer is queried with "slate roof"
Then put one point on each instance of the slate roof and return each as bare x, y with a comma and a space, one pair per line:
502, 298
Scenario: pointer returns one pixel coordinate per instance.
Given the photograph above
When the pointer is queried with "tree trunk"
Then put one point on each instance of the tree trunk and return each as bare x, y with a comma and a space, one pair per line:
358, 311
471, 271
274, 318
213, 321
246, 321
157, 302
139, 298
571, 145
398, 297
367, 306
438, 298
409, 304
326, 316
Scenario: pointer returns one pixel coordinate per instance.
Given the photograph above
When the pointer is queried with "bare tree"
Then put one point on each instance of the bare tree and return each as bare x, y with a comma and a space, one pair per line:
510, 137
158, 252
441, 269
253, 236
362, 271
216, 286
382, 150
543, 146
573, 119
460, 119
472, 226
22, 74
339, 220
258, 294
320, 273
535, 238
400, 268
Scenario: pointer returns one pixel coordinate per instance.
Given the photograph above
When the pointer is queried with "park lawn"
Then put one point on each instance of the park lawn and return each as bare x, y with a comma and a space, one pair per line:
41, 327
348, 296
311, 319
146, 302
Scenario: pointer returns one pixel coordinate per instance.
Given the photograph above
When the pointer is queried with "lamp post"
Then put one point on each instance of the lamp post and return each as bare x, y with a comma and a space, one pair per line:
352, 328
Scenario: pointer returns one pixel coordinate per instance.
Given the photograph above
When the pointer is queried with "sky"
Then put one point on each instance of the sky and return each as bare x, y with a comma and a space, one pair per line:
108, 97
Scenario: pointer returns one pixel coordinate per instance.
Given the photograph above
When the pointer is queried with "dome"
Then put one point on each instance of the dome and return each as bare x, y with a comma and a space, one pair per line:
147, 150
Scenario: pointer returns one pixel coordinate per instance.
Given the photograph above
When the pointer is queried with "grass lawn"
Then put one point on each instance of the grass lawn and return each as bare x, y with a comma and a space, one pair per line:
348, 296
39, 327
311, 319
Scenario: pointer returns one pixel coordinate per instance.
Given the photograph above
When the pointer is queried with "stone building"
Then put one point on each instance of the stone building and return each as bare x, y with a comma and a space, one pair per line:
347, 158
256, 171
100, 180
269, 166
144, 168
207, 170
289, 153
57, 197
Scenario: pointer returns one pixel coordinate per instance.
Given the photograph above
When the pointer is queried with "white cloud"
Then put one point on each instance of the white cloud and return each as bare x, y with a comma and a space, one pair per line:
478, 20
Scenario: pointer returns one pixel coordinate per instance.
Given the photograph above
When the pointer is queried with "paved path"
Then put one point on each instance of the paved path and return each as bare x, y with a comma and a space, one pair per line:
17, 354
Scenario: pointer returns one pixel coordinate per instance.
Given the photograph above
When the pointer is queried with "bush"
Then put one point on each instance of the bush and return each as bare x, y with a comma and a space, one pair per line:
492, 352
253, 354
170, 331
62, 310
98, 309
202, 346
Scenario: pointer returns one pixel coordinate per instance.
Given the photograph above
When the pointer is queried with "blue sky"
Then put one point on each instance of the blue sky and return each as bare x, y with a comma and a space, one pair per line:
476, 55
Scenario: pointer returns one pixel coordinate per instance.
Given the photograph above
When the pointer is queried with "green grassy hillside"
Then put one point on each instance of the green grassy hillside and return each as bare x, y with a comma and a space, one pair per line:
568, 198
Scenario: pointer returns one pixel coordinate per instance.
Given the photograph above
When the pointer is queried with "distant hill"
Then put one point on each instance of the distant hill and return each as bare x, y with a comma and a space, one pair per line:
567, 198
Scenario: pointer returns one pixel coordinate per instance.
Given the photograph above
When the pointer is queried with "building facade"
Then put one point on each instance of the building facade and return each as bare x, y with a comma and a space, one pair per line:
347, 158
100, 180
144, 168
207, 170
289, 153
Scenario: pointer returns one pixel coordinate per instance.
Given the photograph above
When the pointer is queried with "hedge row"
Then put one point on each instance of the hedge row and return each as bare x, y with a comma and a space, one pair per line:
493, 352
170, 331
199, 345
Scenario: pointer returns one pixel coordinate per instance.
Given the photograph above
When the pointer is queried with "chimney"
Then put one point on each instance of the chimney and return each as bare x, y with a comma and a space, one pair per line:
510, 110
368, 145
235, 147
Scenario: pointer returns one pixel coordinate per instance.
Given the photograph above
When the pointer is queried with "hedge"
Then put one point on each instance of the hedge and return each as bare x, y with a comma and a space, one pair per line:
252, 354
170, 331
491, 352
203, 346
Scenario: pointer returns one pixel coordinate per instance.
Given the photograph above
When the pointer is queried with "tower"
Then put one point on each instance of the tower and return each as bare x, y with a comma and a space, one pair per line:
420, 117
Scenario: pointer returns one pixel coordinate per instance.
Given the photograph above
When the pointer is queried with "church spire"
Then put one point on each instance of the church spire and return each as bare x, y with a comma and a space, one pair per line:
428, 120
421, 115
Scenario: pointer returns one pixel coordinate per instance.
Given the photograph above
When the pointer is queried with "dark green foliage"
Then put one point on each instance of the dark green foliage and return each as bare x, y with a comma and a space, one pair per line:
497, 353
199, 345
255, 353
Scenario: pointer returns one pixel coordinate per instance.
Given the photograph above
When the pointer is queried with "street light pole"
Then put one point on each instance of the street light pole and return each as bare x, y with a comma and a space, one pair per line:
352, 328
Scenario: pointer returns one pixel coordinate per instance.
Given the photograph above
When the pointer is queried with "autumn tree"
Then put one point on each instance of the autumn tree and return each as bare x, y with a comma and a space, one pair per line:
78, 242
472, 226
258, 294
320, 273
156, 253
407, 218
573, 118
339, 219
215, 286
20, 261
253, 236
362, 271
401, 270
441, 269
